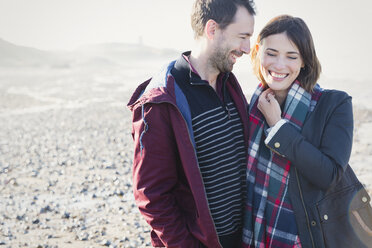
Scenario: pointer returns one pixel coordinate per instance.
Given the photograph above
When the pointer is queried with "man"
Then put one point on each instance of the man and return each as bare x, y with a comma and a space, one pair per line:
190, 134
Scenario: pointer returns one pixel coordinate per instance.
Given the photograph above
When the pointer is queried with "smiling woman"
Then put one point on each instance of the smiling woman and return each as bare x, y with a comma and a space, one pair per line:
299, 150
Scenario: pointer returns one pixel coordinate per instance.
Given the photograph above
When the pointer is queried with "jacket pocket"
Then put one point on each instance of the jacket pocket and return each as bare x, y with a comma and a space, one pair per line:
346, 218
361, 217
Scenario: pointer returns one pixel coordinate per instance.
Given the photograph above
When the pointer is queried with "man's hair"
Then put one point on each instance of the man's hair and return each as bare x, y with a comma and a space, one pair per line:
298, 33
221, 11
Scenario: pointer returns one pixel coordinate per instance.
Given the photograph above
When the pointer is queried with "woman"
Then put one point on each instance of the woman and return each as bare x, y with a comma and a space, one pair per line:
301, 190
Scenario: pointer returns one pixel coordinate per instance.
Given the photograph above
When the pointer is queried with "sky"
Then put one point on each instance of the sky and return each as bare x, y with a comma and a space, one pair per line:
341, 29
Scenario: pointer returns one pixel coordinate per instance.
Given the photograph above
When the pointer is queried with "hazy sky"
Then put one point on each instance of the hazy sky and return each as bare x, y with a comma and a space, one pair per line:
341, 29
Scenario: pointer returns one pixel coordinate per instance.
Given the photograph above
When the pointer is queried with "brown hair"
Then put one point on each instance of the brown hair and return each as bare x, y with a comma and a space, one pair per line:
221, 11
297, 32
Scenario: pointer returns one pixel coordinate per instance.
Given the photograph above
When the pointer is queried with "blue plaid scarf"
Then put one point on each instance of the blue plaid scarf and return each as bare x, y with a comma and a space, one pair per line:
269, 217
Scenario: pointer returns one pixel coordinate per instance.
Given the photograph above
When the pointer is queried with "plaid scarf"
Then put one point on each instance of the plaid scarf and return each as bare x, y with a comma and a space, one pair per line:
269, 217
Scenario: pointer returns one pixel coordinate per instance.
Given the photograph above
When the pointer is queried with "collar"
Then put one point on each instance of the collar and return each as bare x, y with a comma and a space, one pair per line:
187, 72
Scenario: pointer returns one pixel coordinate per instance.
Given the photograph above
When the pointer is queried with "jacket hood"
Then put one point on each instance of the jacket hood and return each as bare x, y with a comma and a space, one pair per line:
154, 89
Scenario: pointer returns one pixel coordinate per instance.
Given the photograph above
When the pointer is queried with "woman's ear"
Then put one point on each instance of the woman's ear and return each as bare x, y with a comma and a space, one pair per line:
210, 29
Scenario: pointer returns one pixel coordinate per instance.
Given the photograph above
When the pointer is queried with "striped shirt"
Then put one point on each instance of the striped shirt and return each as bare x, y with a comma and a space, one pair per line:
222, 159
220, 148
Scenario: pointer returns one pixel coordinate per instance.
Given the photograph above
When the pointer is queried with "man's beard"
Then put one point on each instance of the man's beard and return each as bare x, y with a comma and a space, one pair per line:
220, 60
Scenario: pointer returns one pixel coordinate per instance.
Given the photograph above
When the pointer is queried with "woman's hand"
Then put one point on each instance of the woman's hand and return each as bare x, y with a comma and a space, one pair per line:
269, 107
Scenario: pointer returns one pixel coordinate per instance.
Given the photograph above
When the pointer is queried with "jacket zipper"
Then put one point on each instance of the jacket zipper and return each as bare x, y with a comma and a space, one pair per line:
205, 194
303, 204
224, 95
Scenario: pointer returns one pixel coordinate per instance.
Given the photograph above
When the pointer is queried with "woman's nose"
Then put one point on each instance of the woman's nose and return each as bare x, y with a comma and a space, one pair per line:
279, 64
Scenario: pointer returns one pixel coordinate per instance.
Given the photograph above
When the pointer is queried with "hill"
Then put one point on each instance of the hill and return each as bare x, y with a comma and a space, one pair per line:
104, 54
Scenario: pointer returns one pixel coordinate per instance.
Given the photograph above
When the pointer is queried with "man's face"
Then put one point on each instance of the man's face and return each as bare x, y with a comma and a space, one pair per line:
232, 42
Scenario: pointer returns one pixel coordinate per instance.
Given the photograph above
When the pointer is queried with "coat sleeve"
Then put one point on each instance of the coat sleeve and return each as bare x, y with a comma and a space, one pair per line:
323, 165
155, 175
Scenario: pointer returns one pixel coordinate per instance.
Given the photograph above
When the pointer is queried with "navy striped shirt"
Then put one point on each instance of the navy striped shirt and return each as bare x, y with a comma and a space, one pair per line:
222, 159
220, 148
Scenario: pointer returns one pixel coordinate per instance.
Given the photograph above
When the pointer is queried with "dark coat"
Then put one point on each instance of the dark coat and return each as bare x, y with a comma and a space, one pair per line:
324, 190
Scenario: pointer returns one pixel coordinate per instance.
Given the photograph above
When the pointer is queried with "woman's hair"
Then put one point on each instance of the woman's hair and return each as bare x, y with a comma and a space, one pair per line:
298, 33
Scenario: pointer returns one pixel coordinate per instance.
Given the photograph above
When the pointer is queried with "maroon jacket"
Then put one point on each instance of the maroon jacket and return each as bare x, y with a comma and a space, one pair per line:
167, 183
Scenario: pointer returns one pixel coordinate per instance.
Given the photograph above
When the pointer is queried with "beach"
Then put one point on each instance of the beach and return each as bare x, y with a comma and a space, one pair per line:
66, 151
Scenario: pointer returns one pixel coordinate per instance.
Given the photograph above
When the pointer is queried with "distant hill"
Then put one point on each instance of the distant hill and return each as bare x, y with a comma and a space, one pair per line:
11, 54
104, 54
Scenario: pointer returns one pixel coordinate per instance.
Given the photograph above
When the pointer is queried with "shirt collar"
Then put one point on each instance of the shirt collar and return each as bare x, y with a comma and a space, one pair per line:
183, 63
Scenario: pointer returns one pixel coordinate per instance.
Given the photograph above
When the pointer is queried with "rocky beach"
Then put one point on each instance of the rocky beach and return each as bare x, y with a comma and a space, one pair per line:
66, 149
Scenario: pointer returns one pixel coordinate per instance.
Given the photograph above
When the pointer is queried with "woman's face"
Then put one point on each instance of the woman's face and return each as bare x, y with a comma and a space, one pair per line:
281, 62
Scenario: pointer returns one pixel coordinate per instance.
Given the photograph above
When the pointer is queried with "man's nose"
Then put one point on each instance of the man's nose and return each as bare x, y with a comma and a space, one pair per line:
246, 46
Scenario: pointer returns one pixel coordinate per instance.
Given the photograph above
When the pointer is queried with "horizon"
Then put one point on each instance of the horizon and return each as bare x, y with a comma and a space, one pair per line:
87, 45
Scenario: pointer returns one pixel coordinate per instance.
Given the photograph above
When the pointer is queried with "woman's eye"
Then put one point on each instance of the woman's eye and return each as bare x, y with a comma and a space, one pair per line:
270, 54
292, 57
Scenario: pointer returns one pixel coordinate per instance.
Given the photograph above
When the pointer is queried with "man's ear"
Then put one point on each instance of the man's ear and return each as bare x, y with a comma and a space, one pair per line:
210, 29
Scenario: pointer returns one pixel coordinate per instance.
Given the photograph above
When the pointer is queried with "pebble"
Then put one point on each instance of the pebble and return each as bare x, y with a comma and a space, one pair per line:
66, 215
105, 242
20, 217
83, 236
46, 209
36, 221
